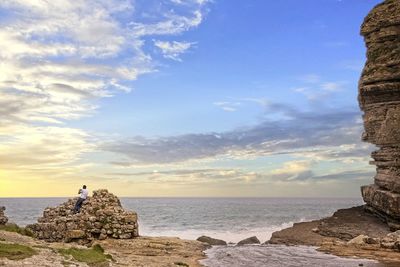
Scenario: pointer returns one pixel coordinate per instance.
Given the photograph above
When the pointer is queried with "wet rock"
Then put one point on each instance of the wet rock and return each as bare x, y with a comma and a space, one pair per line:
211, 241
3, 218
101, 217
248, 241
379, 99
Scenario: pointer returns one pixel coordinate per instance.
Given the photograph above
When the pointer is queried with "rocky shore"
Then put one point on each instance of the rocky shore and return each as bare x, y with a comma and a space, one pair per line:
101, 234
140, 251
348, 233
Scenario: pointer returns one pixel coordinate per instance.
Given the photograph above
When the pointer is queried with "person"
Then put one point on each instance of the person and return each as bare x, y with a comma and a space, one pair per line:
83, 195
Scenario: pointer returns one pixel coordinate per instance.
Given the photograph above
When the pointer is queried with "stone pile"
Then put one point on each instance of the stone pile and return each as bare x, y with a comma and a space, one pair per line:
100, 217
3, 218
379, 98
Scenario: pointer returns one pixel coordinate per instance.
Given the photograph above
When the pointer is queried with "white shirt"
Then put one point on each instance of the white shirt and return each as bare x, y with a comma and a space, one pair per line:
84, 193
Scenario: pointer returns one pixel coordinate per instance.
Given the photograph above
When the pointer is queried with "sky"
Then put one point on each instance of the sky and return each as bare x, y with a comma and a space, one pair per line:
182, 98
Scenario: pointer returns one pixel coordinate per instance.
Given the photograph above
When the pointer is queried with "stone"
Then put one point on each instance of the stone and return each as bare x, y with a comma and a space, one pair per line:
372, 241
101, 217
359, 240
379, 99
3, 218
249, 241
74, 234
211, 241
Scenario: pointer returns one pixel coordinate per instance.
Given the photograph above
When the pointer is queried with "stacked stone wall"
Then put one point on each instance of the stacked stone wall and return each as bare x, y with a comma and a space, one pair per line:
3, 217
100, 217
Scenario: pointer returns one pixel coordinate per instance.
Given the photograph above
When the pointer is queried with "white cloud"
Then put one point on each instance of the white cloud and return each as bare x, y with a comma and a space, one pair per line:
41, 147
332, 86
293, 167
315, 88
57, 56
173, 50
228, 106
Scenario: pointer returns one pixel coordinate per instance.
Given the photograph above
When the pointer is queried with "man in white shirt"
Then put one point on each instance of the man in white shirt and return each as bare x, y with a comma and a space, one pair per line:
82, 197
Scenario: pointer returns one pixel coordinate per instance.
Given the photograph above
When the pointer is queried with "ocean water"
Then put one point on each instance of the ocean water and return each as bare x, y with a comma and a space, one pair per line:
230, 219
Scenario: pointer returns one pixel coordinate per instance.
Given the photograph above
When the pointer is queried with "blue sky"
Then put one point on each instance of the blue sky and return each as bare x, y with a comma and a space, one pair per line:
183, 98
256, 49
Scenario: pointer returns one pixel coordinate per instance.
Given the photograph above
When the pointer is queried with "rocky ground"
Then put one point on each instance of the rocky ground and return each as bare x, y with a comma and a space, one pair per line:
348, 232
141, 251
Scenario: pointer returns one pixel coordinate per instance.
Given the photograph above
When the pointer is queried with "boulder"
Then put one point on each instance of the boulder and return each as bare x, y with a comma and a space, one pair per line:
101, 217
359, 240
211, 241
249, 241
3, 218
379, 99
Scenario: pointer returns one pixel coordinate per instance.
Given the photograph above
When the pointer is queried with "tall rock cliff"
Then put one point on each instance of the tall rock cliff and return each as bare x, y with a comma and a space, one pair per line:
379, 99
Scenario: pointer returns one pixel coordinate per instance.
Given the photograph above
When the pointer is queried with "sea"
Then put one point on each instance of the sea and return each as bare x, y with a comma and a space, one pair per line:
230, 219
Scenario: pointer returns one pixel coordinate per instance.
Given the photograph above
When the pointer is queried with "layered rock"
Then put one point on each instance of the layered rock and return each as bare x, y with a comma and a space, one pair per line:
379, 98
3, 218
100, 217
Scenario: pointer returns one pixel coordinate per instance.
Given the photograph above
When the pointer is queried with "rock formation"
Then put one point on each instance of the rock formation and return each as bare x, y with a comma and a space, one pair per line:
3, 218
379, 98
101, 216
249, 241
211, 241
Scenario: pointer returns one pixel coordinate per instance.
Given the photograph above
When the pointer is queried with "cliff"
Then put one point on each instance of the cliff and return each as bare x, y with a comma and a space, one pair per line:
379, 99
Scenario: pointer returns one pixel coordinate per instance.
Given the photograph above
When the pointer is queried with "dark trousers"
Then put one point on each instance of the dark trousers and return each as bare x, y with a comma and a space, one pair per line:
78, 205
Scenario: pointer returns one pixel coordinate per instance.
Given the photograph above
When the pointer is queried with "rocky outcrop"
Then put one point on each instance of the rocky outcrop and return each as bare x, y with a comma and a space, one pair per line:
101, 217
249, 241
344, 225
3, 218
390, 241
211, 241
379, 99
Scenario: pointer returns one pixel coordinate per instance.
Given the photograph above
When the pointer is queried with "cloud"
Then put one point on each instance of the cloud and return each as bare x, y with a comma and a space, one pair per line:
329, 133
228, 106
291, 172
347, 175
43, 150
315, 88
58, 57
173, 50
188, 2
332, 86
193, 176
236, 103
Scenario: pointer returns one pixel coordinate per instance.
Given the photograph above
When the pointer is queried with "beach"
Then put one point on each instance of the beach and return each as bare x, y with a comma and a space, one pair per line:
168, 229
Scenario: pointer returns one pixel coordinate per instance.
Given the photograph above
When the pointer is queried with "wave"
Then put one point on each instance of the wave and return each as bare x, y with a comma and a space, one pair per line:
263, 233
